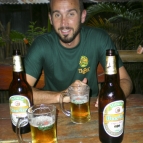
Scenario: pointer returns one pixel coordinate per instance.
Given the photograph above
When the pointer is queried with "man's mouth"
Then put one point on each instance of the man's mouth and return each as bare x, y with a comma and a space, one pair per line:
65, 31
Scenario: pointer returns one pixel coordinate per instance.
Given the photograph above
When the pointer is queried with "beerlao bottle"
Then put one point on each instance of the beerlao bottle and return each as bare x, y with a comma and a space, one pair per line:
20, 94
111, 104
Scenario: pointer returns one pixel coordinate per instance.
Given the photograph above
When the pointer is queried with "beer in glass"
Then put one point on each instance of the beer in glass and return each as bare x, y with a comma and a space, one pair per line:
79, 96
43, 129
80, 109
42, 120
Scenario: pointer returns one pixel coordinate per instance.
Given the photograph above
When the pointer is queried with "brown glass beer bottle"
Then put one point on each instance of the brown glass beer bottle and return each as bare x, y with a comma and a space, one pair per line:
20, 94
112, 104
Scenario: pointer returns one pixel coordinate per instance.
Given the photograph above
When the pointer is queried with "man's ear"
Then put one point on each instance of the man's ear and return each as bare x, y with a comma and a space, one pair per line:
50, 18
83, 16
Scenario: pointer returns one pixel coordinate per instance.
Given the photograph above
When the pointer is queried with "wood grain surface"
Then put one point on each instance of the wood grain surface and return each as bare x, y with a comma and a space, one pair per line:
68, 132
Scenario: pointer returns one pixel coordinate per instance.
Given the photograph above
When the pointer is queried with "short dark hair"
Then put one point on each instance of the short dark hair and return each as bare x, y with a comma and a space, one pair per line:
80, 3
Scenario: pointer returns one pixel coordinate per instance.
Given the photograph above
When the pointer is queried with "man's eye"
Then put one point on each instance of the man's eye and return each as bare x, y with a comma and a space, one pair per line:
57, 15
71, 14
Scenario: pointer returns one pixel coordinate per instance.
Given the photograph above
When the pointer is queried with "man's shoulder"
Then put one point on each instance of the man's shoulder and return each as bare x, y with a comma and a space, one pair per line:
94, 32
91, 28
46, 36
94, 29
44, 41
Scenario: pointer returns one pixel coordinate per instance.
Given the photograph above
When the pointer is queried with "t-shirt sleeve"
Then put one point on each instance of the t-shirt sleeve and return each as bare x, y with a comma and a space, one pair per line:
33, 61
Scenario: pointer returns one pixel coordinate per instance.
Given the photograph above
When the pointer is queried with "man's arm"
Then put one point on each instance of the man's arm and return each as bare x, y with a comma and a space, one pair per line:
40, 96
125, 81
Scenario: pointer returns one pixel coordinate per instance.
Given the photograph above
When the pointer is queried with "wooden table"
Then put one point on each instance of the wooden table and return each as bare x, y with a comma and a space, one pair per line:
68, 132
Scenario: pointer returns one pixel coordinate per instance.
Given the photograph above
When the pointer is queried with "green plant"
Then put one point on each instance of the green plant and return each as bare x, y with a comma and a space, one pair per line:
34, 31
7, 36
16, 36
123, 22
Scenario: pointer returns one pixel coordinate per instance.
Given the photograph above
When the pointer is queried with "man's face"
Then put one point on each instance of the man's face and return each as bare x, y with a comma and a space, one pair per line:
66, 19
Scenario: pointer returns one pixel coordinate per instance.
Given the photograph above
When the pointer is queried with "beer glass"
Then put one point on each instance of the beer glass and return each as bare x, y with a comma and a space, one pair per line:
79, 108
42, 120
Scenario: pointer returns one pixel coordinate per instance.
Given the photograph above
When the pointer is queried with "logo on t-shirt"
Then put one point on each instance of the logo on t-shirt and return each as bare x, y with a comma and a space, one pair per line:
83, 64
83, 61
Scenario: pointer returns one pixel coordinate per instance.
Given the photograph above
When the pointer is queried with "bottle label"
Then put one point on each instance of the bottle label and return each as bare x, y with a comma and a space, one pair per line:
17, 64
18, 106
113, 118
110, 65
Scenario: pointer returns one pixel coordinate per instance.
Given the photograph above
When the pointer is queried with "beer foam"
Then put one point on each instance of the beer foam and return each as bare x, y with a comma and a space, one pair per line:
43, 121
79, 99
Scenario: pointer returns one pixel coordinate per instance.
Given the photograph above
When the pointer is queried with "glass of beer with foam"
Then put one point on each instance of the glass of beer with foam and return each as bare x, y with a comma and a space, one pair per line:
42, 120
79, 108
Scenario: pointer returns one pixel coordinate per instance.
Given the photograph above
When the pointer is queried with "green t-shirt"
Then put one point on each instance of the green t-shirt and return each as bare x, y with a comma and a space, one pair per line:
62, 66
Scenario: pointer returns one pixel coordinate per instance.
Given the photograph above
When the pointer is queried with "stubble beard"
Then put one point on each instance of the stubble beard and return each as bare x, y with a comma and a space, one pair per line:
67, 39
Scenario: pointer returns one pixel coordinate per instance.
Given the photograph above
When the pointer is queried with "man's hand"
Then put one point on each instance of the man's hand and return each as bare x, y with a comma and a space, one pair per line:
83, 82
96, 104
77, 82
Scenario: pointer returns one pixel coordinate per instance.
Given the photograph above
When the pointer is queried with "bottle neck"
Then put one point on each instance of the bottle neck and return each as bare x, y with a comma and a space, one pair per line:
18, 75
18, 72
110, 69
111, 78
17, 64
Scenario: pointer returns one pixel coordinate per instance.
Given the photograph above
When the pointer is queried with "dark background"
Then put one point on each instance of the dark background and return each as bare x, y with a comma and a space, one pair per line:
21, 15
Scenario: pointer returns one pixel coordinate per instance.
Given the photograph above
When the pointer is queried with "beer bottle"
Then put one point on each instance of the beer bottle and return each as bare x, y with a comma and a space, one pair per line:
112, 104
20, 94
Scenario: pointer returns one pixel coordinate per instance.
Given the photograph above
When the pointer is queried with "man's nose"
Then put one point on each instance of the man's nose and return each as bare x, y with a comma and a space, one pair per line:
64, 22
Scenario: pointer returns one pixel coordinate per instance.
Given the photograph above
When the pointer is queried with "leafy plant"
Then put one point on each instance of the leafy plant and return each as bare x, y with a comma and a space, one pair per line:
123, 22
7, 36
34, 31
16, 36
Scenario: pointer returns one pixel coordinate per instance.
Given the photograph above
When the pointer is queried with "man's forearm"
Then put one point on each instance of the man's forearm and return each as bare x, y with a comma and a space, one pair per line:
40, 96
126, 86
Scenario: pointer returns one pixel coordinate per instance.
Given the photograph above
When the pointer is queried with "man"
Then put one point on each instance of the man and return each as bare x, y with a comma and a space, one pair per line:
69, 54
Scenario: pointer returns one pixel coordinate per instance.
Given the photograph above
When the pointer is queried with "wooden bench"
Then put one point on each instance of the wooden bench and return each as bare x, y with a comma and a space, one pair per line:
6, 74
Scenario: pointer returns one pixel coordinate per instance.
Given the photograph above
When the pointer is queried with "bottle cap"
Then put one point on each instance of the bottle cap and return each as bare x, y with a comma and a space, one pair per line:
110, 52
16, 52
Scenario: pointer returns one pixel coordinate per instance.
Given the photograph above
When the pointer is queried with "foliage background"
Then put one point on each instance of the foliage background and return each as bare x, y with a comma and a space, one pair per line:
124, 23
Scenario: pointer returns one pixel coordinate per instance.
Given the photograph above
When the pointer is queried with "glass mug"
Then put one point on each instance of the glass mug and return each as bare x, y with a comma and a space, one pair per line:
79, 108
42, 120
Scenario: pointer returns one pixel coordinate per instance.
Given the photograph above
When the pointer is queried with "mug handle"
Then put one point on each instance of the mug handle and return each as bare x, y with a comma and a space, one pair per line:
66, 112
19, 122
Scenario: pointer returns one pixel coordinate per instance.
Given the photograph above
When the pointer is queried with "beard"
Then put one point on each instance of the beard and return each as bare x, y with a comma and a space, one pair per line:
65, 38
